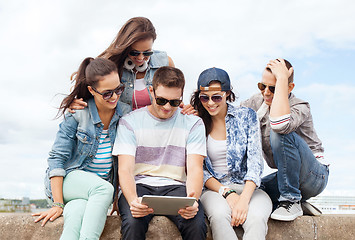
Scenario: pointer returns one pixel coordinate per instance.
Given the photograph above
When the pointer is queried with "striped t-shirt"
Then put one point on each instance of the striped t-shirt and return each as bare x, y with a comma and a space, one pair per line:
102, 163
160, 146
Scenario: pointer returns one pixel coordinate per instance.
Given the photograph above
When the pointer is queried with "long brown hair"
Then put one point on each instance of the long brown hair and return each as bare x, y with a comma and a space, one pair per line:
90, 72
134, 30
202, 112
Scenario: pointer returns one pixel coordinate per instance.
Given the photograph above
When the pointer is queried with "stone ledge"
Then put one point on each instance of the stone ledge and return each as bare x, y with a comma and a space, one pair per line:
21, 226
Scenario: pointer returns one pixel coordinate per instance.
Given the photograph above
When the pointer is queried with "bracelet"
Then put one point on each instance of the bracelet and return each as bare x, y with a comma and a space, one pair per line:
58, 204
229, 192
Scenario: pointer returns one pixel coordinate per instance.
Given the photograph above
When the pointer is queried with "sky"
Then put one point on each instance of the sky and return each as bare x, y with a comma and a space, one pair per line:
43, 42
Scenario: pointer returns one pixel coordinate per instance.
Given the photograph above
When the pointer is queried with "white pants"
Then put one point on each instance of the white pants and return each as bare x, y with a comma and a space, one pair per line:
218, 213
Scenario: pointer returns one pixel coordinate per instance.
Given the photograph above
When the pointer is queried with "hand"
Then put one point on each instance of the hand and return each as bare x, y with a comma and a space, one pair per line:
189, 212
138, 209
239, 212
188, 109
114, 208
232, 198
279, 69
77, 104
51, 214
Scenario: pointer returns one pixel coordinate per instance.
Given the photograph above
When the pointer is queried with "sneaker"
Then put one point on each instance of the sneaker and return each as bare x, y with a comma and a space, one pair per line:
309, 209
287, 211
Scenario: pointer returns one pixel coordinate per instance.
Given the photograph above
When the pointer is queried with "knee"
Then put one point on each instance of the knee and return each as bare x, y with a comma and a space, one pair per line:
194, 228
275, 140
104, 188
133, 228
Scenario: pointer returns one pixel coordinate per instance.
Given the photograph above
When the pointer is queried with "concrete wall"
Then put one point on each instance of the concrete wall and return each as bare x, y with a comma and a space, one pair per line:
21, 226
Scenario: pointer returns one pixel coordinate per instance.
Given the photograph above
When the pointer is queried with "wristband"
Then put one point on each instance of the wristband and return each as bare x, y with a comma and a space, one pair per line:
58, 204
221, 190
229, 192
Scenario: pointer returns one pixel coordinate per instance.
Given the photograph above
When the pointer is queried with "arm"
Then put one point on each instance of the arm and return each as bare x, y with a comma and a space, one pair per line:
61, 151
77, 104
171, 63
194, 184
128, 186
63, 146
240, 204
280, 105
56, 211
254, 155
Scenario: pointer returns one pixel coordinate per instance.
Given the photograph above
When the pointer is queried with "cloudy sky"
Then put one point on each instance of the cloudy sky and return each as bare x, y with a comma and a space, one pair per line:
43, 42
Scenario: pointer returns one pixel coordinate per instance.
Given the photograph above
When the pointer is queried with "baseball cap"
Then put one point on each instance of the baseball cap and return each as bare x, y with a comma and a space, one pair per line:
214, 74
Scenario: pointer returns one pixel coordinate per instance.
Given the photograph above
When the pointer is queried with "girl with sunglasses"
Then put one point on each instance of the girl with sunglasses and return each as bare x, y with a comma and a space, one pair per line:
132, 52
234, 163
81, 168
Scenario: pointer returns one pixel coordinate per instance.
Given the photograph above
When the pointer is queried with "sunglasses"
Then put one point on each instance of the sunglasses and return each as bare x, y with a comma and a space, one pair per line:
173, 102
263, 86
135, 53
215, 98
106, 95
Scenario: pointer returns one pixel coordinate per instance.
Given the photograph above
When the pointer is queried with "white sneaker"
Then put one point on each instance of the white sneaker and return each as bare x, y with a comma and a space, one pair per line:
309, 209
287, 211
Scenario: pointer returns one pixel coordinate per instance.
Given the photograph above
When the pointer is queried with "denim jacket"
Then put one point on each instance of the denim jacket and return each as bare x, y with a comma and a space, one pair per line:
244, 152
157, 60
77, 142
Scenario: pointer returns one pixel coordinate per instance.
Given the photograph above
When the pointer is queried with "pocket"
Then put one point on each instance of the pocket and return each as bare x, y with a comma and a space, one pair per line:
84, 143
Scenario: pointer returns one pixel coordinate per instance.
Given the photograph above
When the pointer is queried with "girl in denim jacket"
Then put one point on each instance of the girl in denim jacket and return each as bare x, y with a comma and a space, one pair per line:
80, 164
234, 163
132, 52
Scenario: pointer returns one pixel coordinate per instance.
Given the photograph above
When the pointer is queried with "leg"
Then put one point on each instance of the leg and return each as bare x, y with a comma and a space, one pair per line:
270, 186
300, 174
218, 213
133, 228
260, 206
288, 161
97, 192
194, 228
73, 216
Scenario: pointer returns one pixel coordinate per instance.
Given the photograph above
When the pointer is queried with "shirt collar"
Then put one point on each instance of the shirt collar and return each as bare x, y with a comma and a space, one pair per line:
95, 114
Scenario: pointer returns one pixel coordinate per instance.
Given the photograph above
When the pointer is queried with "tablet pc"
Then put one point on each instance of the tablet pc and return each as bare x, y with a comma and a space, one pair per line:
167, 205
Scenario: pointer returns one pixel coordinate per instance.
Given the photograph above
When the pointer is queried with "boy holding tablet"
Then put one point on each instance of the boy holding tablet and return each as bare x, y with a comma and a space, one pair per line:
161, 152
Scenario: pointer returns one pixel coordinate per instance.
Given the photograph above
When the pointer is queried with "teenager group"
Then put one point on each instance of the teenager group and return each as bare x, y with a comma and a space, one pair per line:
105, 153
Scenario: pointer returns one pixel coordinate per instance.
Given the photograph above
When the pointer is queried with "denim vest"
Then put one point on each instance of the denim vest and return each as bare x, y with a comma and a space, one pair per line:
157, 60
77, 142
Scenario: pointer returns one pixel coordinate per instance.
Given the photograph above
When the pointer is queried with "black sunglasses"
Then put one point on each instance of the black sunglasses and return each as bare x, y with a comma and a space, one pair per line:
173, 102
263, 86
106, 95
136, 53
215, 98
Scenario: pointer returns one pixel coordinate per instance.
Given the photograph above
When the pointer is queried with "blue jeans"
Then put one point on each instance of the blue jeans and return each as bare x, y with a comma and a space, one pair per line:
135, 228
300, 175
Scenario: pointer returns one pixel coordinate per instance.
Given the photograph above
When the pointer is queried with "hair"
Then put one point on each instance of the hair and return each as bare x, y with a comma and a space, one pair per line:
288, 65
89, 74
202, 112
169, 77
134, 30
